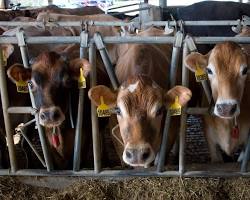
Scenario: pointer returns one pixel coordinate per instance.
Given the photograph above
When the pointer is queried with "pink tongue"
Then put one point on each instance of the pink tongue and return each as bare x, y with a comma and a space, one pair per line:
55, 140
235, 132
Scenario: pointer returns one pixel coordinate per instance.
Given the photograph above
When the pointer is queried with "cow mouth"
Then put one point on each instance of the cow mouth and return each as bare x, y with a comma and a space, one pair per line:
51, 124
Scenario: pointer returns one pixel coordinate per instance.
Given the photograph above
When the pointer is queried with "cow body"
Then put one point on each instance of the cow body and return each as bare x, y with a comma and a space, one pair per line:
140, 100
227, 66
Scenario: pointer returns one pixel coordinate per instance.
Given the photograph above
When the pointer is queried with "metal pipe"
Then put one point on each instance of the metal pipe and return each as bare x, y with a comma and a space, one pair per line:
246, 157
24, 53
163, 149
134, 10
94, 120
175, 58
134, 4
106, 60
123, 40
185, 75
7, 123
79, 122
76, 39
46, 153
22, 131
21, 110
197, 111
207, 90
123, 173
121, 23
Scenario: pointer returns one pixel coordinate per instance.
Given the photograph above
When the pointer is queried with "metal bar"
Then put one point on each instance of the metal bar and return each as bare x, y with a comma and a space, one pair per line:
246, 157
134, 4
175, 58
207, 90
22, 131
79, 123
76, 39
106, 60
7, 123
123, 39
24, 53
121, 23
185, 74
134, 10
21, 110
94, 120
163, 149
197, 111
123, 173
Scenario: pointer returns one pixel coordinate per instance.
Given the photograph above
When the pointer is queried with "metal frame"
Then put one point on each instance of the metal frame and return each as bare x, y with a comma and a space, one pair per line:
99, 42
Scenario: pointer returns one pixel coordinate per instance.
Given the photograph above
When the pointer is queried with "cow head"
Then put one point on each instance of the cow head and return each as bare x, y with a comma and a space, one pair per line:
51, 76
140, 104
227, 66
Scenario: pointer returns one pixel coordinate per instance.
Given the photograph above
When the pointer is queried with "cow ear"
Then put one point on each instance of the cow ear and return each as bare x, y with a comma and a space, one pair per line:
109, 97
196, 59
18, 73
183, 93
8, 49
75, 66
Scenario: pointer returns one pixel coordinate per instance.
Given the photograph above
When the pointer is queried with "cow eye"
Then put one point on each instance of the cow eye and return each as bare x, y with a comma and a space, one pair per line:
117, 111
160, 111
209, 71
31, 84
244, 71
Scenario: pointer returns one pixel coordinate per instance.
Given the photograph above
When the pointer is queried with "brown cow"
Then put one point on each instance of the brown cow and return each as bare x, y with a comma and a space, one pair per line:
141, 99
52, 78
227, 66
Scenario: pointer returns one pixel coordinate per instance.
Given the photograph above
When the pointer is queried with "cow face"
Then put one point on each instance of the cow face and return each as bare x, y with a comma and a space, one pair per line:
51, 79
140, 104
227, 68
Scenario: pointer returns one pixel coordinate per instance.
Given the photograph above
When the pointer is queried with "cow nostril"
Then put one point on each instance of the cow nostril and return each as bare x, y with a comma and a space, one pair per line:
55, 115
219, 108
145, 154
128, 154
234, 107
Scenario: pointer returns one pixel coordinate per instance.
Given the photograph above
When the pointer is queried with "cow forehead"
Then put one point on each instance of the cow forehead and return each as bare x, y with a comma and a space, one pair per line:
227, 58
139, 94
48, 64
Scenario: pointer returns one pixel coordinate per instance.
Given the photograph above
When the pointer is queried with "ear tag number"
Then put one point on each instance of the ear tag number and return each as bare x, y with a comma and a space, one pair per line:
22, 86
200, 74
81, 80
103, 109
175, 108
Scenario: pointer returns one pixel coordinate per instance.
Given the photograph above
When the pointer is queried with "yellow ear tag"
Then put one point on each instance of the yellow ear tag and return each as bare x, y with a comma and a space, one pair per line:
175, 108
200, 74
22, 86
103, 109
81, 80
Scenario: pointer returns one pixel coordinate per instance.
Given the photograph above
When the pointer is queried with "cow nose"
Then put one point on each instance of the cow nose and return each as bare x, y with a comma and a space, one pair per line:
51, 116
226, 110
138, 156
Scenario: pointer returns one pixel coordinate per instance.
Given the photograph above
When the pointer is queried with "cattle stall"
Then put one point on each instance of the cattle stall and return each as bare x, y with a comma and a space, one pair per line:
97, 43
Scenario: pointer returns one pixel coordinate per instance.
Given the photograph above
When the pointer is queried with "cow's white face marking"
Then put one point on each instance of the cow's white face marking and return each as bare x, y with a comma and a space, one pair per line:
132, 87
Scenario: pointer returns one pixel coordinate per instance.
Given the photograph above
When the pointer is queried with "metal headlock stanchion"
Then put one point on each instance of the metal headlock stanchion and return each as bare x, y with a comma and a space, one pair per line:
23, 49
173, 73
106, 60
6, 116
246, 156
182, 142
78, 131
95, 129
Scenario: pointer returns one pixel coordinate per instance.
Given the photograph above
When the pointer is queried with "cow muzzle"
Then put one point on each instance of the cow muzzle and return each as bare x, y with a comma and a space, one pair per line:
51, 117
227, 108
139, 155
